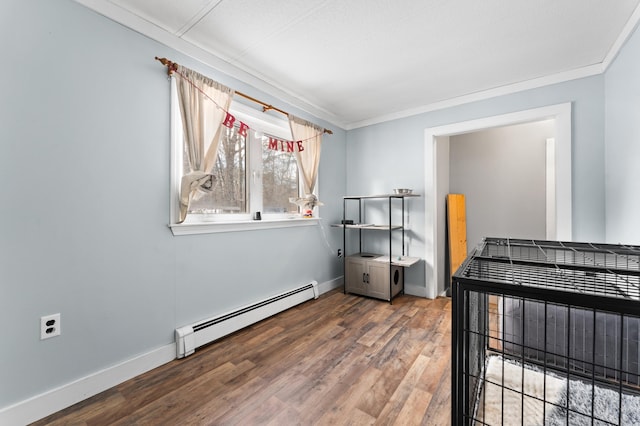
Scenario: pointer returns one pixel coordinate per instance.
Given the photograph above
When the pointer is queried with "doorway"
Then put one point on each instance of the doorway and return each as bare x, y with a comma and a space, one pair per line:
502, 173
437, 140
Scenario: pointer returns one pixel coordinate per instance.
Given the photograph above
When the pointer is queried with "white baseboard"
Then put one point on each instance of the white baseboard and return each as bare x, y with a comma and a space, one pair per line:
415, 290
330, 285
52, 401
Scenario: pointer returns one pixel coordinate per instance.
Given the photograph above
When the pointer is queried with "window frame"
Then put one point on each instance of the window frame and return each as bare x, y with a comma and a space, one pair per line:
233, 222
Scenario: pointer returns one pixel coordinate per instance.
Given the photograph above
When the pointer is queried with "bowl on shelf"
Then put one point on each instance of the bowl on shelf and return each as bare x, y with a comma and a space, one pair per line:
404, 191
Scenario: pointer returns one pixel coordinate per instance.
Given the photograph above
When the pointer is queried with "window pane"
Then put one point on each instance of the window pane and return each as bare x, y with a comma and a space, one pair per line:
230, 192
279, 180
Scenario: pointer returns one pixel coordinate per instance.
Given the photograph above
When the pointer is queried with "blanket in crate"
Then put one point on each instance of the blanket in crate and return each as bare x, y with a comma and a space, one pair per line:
521, 394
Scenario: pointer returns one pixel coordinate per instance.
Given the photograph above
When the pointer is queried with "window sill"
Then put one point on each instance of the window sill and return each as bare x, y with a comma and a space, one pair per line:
241, 225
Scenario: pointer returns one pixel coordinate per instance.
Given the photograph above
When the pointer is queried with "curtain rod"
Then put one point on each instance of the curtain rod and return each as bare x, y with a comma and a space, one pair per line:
173, 66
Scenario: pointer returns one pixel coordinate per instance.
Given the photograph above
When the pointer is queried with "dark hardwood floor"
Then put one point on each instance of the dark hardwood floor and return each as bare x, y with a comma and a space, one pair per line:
340, 359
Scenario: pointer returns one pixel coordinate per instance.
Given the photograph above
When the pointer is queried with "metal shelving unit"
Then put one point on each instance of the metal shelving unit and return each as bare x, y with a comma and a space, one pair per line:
394, 261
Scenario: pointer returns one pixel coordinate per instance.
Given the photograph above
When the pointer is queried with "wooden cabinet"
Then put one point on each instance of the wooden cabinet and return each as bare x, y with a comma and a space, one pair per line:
355, 274
367, 275
371, 274
379, 277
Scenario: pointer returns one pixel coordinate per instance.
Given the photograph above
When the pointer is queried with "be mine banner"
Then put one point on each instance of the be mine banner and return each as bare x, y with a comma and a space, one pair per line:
274, 144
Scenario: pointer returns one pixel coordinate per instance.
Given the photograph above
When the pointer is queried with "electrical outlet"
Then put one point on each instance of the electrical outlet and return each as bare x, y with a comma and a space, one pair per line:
49, 326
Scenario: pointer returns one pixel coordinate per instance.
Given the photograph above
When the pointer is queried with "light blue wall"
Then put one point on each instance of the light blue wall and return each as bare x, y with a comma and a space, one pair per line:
622, 88
391, 154
84, 165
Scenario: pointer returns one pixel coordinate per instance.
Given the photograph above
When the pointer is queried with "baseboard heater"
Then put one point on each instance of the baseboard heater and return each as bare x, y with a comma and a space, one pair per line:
190, 337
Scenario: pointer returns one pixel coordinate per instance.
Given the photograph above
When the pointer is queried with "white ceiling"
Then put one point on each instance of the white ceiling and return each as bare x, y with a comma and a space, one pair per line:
356, 62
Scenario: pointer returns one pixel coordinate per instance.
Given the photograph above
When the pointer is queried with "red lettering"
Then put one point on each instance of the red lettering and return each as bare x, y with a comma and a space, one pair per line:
284, 146
229, 120
273, 144
242, 131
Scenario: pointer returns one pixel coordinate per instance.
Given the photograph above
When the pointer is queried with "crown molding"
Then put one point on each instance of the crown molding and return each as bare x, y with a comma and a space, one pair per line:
626, 33
250, 77
485, 94
154, 32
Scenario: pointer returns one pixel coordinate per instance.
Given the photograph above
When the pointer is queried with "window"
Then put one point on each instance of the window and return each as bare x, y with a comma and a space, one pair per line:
252, 174
271, 181
280, 180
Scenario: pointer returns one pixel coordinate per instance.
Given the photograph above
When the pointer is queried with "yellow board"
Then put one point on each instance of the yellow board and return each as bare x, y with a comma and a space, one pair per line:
457, 225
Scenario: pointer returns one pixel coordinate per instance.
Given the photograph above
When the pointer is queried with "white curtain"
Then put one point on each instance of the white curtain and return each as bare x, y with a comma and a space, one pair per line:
308, 159
203, 106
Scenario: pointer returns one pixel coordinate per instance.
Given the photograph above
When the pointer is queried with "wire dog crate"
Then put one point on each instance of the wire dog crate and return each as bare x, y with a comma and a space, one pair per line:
546, 333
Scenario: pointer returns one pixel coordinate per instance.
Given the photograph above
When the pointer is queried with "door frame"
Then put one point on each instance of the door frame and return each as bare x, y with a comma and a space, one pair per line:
436, 144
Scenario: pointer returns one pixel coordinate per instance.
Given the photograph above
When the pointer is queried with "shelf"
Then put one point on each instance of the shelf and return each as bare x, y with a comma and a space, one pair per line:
355, 197
398, 260
375, 275
367, 226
